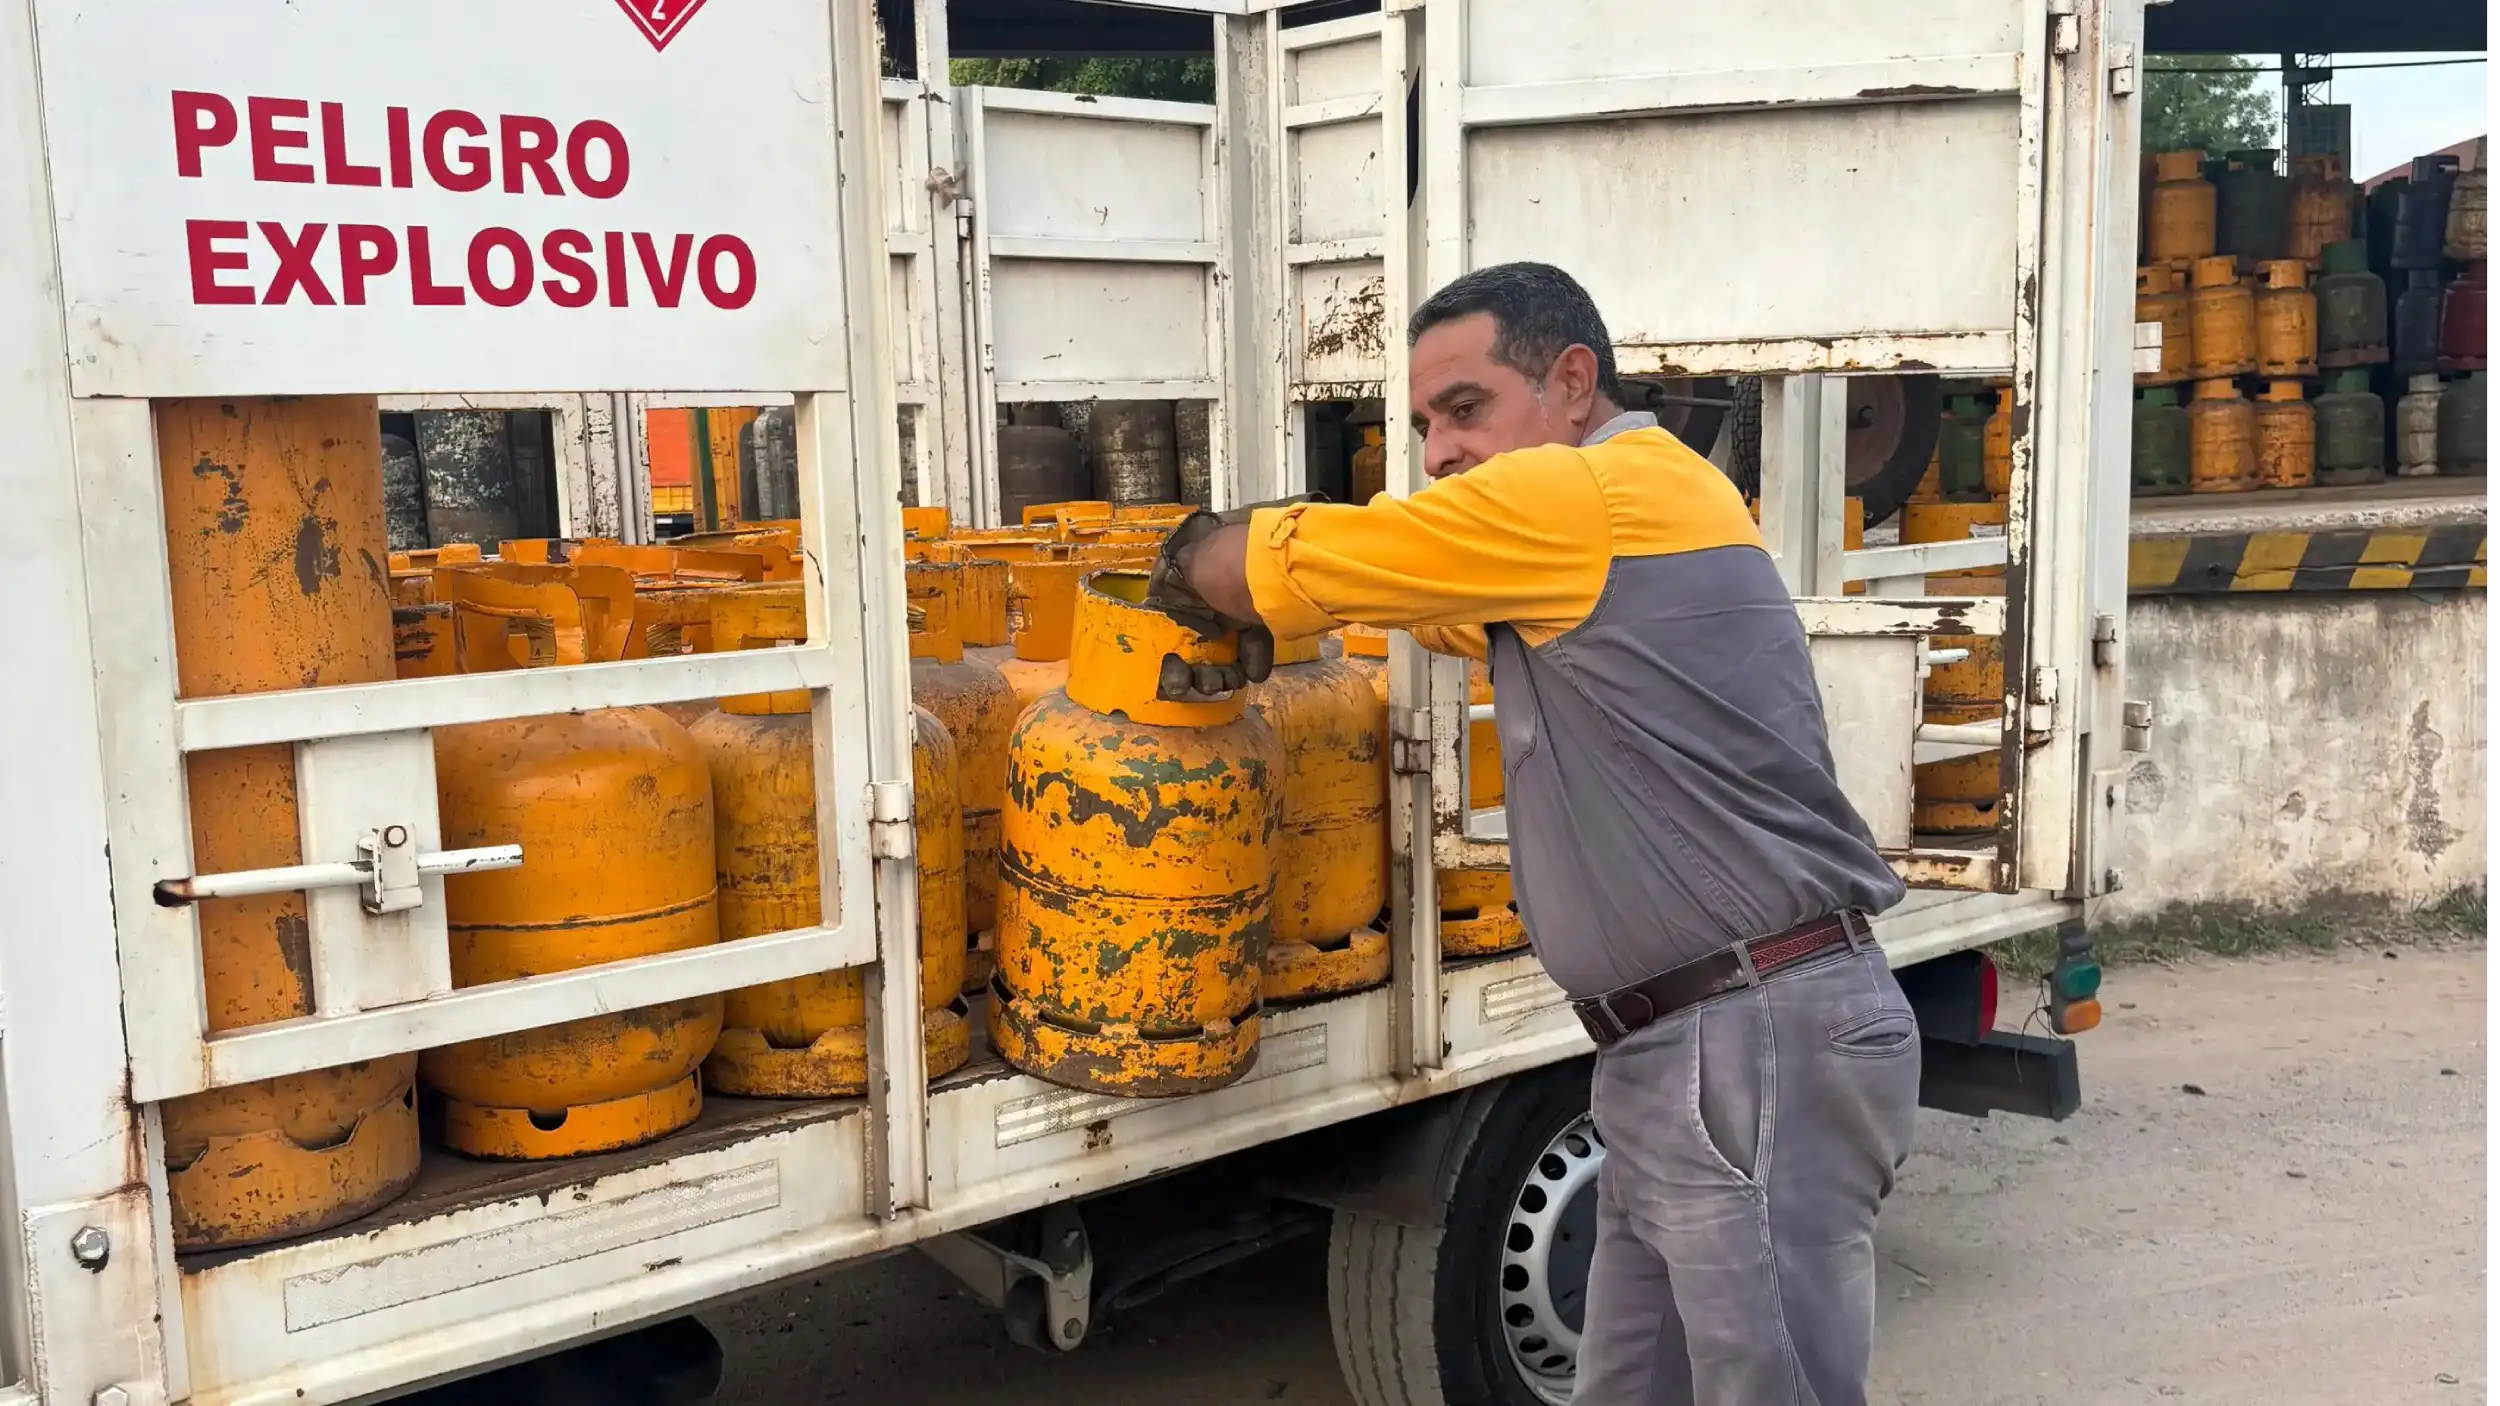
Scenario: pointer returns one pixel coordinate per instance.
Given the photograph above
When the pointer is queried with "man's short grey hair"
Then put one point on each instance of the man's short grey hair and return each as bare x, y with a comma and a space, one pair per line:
1539, 312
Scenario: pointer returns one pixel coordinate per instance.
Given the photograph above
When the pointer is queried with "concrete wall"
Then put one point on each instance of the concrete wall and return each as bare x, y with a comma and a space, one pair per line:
2304, 746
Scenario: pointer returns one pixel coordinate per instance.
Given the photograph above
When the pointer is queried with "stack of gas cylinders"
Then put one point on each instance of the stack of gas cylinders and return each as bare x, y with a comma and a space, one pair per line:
2285, 361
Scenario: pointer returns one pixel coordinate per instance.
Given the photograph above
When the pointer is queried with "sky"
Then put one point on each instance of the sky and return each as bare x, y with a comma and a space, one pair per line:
2400, 113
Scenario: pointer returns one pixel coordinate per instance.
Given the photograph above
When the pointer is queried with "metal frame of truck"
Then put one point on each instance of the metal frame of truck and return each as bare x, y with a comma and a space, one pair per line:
483, 1264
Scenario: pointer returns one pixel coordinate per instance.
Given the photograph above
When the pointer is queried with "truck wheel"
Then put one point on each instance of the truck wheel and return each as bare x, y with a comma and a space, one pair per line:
1484, 1310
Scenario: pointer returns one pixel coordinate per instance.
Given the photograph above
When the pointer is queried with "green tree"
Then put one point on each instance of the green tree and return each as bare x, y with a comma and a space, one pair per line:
2188, 107
1189, 80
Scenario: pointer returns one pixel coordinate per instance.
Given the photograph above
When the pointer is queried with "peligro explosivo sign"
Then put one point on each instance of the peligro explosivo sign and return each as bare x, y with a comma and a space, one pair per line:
306, 196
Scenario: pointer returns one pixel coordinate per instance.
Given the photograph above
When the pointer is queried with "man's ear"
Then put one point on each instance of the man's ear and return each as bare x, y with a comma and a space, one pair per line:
1575, 375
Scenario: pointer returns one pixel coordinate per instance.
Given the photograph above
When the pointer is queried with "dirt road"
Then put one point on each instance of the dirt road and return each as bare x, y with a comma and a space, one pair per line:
2274, 1193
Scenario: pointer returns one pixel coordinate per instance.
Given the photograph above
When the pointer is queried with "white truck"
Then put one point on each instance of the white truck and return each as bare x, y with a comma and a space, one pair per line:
1802, 190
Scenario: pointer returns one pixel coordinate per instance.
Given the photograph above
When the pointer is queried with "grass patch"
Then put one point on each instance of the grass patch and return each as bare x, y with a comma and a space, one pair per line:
2328, 924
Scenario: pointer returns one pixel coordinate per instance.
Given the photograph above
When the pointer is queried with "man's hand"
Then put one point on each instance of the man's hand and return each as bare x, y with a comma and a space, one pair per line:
1202, 557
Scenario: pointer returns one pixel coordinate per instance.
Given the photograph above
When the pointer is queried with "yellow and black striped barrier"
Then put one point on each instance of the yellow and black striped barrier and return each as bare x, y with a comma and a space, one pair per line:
2430, 559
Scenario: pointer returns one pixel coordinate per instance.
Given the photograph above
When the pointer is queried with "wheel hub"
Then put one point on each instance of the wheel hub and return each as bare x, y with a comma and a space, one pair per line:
1545, 1261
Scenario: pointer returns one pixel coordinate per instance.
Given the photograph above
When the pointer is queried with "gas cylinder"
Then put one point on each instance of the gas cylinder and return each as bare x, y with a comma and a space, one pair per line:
1152, 514
1478, 916
1961, 796
2463, 336
2287, 320
2181, 225
2422, 215
1954, 522
978, 709
2417, 428
2352, 308
420, 624
1331, 826
2414, 347
2158, 464
982, 620
2462, 448
1071, 511
1193, 442
273, 539
1930, 484
614, 810
1037, 464
2252, 207
1370, 469
1996, 460
1961, 451
2222, 440
2287, 437
2159, 298
1975, 680
2224, 310
807, 1037
2321, 207
1041, 616
1131, 445
2352, 431
1138, 865
2468, 201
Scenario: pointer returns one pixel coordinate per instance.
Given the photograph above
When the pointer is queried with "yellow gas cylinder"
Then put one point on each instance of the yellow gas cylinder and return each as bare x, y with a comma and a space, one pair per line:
537, 551
2181, 223
2160, 298
2224, 313
807, 1037
1331, 825
1041, 618
420, 624
1961, 796
995, 544
1996, 445
2222, 440
1067, 513
928, 524
982, 618
1929, 487
1955, 522
972, 699
1138, 867
1478, 916
613, 809
1152, 514
1369, 471
2287, 320
273, 544
2287, 437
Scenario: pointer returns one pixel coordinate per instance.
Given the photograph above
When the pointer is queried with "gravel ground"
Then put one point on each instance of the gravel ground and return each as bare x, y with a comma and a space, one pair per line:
2274, 1193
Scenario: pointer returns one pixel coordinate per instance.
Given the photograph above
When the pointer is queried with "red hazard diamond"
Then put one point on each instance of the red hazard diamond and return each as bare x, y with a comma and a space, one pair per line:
659, 20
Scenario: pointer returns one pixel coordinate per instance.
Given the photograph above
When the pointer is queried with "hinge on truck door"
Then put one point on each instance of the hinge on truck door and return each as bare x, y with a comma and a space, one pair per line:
1410, 743
889, 820
2040, 717
2065, 27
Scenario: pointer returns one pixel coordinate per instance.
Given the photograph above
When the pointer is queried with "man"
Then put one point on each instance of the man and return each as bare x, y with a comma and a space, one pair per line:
1685, 862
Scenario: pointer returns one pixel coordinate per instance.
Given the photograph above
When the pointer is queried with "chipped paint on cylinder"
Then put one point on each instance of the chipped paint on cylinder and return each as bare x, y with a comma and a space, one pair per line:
1332, 825
2222, 440
807, 1037
1138, 866
2180, 224
1955, 522
2287, 320
1961, 796
2223, 311
1477, 915
2287, 437
278, 568
576, 792
971, 698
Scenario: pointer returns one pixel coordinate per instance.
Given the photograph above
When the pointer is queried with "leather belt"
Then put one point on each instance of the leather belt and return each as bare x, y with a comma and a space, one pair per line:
1618, 1013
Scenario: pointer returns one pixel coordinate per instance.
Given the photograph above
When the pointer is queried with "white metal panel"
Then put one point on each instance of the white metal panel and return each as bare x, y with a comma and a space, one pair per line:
1070, 322
1087, 178
1335, 106
1870, 693
1517, 43
1340, 337
672, 229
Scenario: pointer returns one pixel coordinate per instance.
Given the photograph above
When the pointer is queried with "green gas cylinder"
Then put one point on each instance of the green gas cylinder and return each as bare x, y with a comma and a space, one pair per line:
2160, 459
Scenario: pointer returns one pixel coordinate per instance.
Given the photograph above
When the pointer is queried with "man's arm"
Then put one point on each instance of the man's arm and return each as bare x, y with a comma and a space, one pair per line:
1522, 539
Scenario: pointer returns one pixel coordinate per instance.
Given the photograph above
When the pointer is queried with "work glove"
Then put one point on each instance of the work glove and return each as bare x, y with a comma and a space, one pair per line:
1168, 591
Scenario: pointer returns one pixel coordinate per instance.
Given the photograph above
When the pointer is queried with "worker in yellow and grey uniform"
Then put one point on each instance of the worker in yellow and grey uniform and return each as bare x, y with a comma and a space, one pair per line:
1683, 856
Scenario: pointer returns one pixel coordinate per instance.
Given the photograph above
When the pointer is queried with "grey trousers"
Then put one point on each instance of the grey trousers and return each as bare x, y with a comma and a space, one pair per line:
1748, 1142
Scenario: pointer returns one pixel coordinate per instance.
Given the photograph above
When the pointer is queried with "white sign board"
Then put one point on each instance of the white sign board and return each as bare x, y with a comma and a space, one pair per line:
402, 196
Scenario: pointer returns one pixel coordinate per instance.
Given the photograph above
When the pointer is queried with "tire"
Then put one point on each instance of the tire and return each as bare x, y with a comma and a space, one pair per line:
1885, 472
1418, 1313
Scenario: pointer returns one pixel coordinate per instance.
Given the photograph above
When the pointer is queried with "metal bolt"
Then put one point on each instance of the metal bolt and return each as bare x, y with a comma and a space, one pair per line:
1072, 1330
395, 835
91, 1247
112, 1396
2112, 881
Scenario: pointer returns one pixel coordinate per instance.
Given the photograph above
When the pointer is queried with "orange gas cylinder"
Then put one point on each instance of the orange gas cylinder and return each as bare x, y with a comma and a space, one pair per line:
537, 551
1478, 917
274, 544
1138, 865
995, 544
1068, 513
928, 524
614, 810
1961, 796
2287, 437
807, 1037
971, 698
983, 619
2287, 320
1331, 825
2160, 298
1152, 514
2321, 207
1955, 522
1996, 445
2224, 313
420, 624
2222, 440
2181, 222
1041, 618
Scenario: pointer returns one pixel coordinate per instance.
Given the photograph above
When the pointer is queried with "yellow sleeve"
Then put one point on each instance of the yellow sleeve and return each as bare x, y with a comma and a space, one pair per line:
1465, 641
1522, 539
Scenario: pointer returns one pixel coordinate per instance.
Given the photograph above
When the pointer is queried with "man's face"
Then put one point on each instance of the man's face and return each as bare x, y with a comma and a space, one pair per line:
1469, 407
